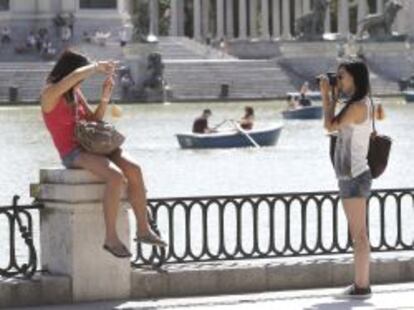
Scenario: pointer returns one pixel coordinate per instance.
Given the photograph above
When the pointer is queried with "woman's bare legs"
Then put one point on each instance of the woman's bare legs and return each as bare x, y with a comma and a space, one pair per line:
355, 210
136, 190
114, 179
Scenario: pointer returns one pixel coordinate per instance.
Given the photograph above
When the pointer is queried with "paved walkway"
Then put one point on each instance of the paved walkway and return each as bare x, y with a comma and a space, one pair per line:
386, 297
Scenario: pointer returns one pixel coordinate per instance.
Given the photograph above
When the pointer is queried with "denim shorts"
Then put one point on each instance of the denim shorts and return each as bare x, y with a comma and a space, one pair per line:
69, 159
357, 187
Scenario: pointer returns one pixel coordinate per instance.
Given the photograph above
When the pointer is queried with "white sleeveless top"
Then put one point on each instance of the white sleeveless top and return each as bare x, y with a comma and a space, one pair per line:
352, 148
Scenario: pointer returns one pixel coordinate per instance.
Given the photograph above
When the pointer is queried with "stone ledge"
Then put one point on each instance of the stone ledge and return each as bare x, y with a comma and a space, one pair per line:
68, 176
266, 275
41, 290
72, 193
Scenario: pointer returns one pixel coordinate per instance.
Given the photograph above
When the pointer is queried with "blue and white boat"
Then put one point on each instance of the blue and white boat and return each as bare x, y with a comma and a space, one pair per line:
409, 96
312, 112
230, 139
312, 95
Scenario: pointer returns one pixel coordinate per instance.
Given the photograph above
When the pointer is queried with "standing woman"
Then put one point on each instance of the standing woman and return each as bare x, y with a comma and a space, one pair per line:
61, 100
354, 127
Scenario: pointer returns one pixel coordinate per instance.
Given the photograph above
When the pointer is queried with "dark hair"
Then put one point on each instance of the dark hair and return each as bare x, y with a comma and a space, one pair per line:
249, 111
68, 62
207, 111
359, 72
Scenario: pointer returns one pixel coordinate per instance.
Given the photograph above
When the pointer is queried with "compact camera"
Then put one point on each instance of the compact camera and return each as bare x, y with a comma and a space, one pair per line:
333, 80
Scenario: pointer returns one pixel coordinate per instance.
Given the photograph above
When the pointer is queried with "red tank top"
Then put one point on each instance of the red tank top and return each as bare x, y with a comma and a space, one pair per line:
61, 124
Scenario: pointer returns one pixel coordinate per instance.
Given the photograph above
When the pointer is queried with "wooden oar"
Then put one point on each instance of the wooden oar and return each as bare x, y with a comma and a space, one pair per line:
255, 144
220, 124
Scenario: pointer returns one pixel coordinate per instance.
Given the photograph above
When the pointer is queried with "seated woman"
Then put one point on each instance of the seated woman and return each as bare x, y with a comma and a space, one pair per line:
247, 121
62, 102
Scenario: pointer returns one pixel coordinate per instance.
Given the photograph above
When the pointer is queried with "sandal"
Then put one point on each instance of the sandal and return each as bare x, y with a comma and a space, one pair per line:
115, 252
152, 239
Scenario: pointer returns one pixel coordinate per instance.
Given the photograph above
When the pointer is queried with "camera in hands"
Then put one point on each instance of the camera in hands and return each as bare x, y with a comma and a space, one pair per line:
332, 78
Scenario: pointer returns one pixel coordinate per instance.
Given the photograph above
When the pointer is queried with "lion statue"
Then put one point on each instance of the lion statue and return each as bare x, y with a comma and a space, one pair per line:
311, 25
155, 71
380, 25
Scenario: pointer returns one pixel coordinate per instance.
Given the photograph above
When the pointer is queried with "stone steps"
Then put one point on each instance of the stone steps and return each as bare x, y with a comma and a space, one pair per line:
30, 75
185, 48
30, 83
246, 79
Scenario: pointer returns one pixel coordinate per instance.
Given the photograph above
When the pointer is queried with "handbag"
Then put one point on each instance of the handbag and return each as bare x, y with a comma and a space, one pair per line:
97, 137
378, 151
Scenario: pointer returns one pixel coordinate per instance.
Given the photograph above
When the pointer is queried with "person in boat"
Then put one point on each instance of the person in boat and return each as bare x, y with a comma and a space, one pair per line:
247, 121
304, 100
200, 124
292, 102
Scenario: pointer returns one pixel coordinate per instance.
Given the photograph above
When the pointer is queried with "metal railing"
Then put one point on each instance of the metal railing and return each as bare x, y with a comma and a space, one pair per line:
205, 229
20, 220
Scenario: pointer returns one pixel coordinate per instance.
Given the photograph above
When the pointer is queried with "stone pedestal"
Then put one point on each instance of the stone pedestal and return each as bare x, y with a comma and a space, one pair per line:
72, 234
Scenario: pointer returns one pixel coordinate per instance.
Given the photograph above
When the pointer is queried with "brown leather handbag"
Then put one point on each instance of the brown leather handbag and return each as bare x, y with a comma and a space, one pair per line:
97, 137
378, 152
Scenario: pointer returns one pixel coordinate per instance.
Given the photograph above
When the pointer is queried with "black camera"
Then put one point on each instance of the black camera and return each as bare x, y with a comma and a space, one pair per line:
331, 78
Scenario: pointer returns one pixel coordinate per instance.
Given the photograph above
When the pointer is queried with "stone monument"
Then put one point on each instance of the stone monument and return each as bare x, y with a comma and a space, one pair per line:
310, 27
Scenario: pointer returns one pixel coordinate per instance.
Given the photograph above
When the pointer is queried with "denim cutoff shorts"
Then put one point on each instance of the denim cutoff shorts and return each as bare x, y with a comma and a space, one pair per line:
357, 187
69, 159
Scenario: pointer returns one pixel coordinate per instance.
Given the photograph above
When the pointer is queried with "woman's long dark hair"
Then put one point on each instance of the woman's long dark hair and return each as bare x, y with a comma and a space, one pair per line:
248, 111
360, 74
68, 62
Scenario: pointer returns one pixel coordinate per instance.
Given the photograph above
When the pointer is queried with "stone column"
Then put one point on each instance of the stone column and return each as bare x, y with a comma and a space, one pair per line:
72, 233
343, 17
205, 12
181, 18
197, 20
154, 17
286, 34
174, 18
362, 12
177, 18
306, 6
276, 18
380, 6
265, 19
253, 18
328, 20
298, 8
220, 18
230, 18
242, 19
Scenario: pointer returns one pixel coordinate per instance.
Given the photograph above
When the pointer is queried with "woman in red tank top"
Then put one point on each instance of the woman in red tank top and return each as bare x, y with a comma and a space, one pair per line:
60, 98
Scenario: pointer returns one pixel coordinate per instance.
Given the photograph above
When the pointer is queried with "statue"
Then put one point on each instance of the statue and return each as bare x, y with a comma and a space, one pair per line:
379, 26
155, 71
311, 26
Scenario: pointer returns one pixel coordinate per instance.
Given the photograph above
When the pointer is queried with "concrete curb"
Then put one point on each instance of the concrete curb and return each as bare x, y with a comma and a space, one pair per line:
233, 277
266, 275
41, 290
